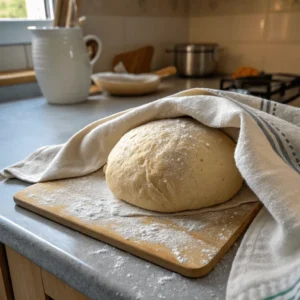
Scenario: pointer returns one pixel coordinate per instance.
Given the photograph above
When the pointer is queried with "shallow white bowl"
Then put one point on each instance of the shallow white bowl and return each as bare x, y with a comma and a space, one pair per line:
127, 84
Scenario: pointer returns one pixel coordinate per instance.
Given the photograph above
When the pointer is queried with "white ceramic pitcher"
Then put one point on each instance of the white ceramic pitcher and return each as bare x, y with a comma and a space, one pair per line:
61, 63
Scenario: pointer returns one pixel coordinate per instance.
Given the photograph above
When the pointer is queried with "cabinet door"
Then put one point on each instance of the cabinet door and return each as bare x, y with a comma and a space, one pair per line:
58, 290
5, 284
25, 276
30, 282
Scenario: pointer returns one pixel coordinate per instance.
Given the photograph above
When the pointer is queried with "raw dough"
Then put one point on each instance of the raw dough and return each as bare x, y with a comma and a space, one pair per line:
173, 165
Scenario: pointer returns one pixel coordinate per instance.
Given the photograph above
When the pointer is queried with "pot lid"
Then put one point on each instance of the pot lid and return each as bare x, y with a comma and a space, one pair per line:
191, 47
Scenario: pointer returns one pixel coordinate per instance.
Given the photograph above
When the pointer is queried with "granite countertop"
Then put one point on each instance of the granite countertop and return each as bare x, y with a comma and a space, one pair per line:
113, 274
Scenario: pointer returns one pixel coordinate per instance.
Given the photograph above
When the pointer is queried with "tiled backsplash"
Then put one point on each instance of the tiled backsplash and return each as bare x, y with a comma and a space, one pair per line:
120, 34
122, 25
260, 33
149, 8
14, 58
125, 25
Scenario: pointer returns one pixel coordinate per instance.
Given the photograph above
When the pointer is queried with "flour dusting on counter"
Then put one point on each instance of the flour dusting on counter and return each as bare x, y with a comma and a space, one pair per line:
164, 279
99, 251
119, 263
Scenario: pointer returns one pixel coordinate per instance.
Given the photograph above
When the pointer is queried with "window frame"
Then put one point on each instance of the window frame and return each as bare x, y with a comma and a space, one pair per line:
15, 32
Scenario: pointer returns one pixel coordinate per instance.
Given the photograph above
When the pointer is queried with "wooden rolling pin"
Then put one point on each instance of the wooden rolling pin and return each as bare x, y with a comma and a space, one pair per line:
166, 72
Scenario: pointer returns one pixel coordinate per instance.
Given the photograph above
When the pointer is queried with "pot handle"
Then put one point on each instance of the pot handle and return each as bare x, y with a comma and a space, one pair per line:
95, 54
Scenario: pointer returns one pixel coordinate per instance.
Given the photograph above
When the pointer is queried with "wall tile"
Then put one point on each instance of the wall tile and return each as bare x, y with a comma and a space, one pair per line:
206, 7
227, 28
142, 30
284, 27
162, 33
178, 8
229, 7
151, 30
282, 58
245, 7
28, 53
210, 29
244, 28
98, 7
109, 8
284, 5
247, 28
121, 34
110, 31
161, 58
249, 34
135, 7
12, 58
176, 30
104, 63
237, 55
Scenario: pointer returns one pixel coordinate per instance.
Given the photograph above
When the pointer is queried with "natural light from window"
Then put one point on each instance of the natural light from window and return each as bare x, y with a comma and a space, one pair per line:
26, 9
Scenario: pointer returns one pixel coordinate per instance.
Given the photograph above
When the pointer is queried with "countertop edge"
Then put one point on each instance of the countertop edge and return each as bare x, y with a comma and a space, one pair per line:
35, 249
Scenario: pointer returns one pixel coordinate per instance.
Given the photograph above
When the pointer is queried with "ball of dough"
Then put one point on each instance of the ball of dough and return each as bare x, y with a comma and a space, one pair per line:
173, 165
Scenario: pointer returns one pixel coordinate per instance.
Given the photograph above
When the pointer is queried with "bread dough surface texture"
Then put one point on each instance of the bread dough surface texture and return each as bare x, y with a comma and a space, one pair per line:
173, 165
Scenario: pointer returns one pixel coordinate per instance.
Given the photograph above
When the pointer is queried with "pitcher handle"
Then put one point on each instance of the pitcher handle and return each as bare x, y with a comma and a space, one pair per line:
94, 38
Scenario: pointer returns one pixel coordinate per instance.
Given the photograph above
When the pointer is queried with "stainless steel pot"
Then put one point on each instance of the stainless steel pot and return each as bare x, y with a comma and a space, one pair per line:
195, 60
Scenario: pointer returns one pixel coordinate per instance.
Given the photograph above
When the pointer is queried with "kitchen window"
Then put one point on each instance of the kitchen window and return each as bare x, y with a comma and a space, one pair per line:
17, 15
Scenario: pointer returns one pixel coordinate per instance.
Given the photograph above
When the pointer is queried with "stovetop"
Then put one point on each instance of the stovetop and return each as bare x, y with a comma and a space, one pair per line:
279, 87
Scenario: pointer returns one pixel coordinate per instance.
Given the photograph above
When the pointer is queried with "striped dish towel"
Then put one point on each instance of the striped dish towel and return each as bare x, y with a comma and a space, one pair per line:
267, 264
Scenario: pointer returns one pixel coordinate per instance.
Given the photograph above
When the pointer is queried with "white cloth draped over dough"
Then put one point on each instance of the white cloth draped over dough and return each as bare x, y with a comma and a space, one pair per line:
267, 155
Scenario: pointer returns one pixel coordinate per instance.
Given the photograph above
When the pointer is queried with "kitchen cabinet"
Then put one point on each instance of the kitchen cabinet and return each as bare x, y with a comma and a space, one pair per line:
58, 290
5, 285
29, 281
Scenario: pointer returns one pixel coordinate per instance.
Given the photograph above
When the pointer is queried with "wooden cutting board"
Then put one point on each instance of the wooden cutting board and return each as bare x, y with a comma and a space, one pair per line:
137, 61
189, 245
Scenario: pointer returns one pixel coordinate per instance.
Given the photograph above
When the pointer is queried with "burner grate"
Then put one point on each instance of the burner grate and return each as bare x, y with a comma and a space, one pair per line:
280, 87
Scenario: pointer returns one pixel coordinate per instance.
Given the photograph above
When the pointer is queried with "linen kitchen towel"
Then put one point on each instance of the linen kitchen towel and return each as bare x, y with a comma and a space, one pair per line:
267, 265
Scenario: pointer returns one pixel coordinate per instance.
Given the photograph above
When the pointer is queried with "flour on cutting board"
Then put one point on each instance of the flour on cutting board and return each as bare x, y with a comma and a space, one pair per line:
89, 199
